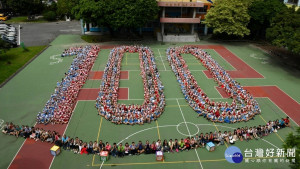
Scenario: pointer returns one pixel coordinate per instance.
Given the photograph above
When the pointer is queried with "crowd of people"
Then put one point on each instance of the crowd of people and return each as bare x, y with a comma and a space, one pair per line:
78, 146
58, 108
71, 51
154, 99
243, 107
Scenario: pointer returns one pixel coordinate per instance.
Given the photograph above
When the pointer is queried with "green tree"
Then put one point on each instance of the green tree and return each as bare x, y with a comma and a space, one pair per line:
116, 14
293, 141
64, 7
229, 17
261, 13
285, 30
25, 7
4, 46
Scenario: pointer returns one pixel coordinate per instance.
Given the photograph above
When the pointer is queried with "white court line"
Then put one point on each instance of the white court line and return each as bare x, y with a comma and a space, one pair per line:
161, 59
189, 132
245, 63
144, 130
216, 125
17, 152
65, 131
282, 110
101, 165
270, 143
220, 56
1, 123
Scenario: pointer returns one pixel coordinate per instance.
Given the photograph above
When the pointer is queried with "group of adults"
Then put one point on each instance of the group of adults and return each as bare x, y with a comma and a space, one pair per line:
154, 99
58, 108
78, 146
243, 107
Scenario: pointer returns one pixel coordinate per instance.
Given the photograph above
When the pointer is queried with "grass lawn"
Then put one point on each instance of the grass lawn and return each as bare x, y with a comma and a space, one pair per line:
14, 59
24, 19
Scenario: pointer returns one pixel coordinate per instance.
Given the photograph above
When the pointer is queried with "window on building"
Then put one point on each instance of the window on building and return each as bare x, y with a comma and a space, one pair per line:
202, 10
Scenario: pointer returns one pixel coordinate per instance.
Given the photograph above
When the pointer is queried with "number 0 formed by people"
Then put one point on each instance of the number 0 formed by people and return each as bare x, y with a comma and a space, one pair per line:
154, 99
242, 108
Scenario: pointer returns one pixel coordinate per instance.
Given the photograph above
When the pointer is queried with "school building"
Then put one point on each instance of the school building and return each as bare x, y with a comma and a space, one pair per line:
178, 21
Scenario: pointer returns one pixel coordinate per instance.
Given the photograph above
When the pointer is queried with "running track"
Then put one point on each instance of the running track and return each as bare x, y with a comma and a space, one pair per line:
37, 154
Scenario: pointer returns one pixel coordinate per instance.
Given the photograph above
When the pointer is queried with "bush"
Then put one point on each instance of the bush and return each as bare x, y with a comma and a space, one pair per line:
50, 16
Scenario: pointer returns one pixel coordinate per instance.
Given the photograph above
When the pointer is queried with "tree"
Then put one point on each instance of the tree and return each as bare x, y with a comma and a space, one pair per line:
64, 7
4, 46
261, 13
293, 141
25, 7
285, 30
116, 14
230, 17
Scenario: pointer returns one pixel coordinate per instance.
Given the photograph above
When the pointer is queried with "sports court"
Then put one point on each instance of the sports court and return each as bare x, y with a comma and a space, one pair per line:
275, 88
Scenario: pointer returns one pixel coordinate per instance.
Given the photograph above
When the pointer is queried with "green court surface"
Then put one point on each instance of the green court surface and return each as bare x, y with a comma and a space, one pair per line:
25, 95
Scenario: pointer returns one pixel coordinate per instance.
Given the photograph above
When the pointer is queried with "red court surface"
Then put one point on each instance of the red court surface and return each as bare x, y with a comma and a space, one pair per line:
36, 154
92, 94
243, 70
97, 75
277, 96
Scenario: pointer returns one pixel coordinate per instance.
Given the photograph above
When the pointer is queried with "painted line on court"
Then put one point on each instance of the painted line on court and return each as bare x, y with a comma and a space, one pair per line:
157, 129
178, 162
282, 110
97, 138
162, 59
143, 131
1, 123
189, 132
245, 63
270, 143
65, 130
17, 152
101, 165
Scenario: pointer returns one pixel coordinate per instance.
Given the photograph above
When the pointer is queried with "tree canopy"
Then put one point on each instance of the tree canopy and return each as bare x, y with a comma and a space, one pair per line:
285, 30
261, 13
230, 17
293, 141
24, 7
64, 7
116, 14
